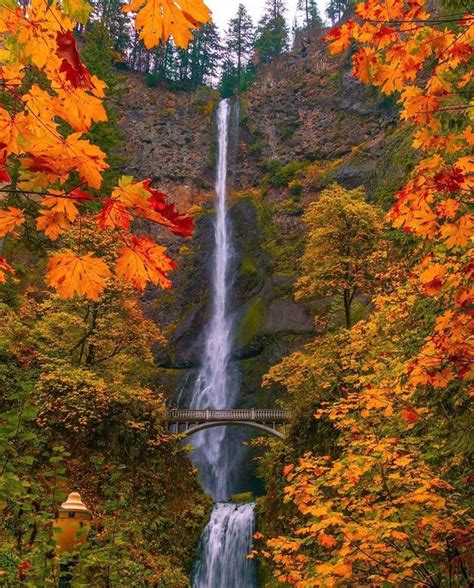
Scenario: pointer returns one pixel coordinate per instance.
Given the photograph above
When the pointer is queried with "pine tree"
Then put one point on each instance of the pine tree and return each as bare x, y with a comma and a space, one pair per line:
205, 55
275, 8
240, 43
336, 9
272, 33
310, 11
109, 14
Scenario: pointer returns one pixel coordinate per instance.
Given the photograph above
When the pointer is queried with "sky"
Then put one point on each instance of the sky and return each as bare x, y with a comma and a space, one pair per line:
224, 10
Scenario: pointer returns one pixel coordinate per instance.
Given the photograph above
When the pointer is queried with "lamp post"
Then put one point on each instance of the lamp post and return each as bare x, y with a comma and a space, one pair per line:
71, 528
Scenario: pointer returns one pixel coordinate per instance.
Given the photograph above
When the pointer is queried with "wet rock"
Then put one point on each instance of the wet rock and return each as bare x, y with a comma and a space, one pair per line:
287, 316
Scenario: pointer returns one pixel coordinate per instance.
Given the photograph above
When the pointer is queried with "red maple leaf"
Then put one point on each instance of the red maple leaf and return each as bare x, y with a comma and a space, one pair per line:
180, 224
71, 64
4, 176
449, 181
410, 415
81, 195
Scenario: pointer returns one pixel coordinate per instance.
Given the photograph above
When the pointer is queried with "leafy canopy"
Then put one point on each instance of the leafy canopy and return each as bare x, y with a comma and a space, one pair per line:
51, 172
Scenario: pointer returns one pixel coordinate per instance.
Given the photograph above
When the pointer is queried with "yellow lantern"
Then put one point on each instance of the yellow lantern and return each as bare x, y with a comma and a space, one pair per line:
72, 525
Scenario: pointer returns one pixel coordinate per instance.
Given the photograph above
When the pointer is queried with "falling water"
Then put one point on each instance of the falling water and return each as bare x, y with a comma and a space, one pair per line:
217, 384
226, 540
225, 544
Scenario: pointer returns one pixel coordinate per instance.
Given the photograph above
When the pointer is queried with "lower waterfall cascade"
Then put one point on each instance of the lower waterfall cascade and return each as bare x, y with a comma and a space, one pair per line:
224, 547
227, 539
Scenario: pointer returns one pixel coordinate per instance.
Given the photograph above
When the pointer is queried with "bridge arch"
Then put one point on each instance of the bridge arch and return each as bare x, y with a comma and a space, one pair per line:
188, 422
211, 424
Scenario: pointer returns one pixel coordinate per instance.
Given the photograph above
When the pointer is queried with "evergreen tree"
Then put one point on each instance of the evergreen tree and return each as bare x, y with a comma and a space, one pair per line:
240, 43
336, 9
205, 54
272, 33
275, 8
109, 14
310, 11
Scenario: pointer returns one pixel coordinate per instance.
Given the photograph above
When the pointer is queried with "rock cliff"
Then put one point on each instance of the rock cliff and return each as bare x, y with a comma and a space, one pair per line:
304, 123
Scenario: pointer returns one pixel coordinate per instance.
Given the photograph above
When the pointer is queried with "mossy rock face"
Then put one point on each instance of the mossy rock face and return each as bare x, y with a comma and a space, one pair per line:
393, 167
248, 265
251, 322
242, 497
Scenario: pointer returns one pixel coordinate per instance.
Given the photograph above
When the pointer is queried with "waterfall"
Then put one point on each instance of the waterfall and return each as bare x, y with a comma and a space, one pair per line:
226, 540
224, 547
217, 384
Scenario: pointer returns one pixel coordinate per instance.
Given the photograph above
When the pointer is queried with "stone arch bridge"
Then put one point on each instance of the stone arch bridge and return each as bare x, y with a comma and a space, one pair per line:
189, 422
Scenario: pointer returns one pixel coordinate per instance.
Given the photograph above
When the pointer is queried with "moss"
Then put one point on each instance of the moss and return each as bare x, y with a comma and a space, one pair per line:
393, 167
280, 175
248, 265
251, 321
242, 497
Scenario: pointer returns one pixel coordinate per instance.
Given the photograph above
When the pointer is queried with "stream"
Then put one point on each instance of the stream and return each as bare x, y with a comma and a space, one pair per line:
226, 541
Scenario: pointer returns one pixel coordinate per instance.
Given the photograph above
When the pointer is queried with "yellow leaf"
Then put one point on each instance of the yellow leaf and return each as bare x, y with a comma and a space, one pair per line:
72, 274
158, 20
77, 9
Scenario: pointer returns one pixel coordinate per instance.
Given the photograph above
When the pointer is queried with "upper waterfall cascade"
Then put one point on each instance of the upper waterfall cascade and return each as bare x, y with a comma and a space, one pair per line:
227, 538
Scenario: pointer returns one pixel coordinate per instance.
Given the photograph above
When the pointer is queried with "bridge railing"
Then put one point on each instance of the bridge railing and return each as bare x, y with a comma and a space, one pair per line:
259, 415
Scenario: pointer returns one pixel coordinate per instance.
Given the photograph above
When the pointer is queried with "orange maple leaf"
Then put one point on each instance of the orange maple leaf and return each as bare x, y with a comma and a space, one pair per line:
458, 234
326, 540
432, 278
5, 268
158, 20
410, 415
144, 261
72, 275
10, 219
52, 223
114, 215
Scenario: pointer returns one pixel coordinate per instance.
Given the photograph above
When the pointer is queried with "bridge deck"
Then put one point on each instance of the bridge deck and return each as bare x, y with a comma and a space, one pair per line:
254, 415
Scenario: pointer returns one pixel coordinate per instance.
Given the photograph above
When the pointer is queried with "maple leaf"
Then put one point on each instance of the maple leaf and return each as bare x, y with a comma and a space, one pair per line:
52, 223
178, 223
363, 61
71, 64
326, 540
158, 20
77, 10
458, 234
451, 181
88, 158
4, 177
10, 219
114, 215
144, 261
72, 275
340, 38
410, 415
5, 268
62, 204
81, 195
432, 278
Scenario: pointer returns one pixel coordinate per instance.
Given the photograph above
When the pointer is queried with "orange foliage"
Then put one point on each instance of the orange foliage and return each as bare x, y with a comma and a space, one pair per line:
389, 508
38, 44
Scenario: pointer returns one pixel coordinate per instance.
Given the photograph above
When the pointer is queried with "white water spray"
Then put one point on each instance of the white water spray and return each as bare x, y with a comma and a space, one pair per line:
227, 538
224, 548
217, 384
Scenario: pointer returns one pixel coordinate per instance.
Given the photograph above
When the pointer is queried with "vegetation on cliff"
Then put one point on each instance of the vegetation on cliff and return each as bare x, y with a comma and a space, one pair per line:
379, 492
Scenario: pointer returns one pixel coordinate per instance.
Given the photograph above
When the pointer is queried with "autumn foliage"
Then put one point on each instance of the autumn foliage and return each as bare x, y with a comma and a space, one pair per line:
51, 173
389, 503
